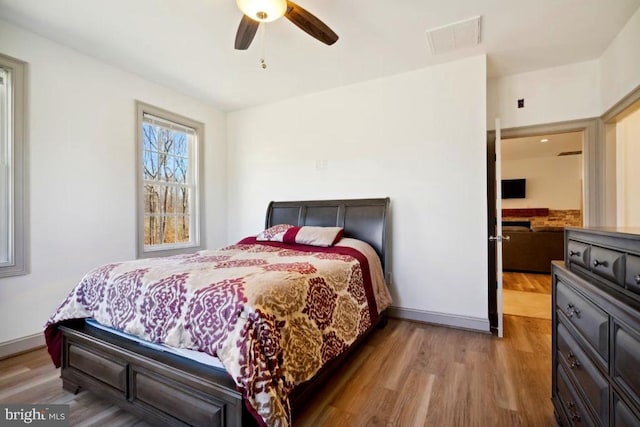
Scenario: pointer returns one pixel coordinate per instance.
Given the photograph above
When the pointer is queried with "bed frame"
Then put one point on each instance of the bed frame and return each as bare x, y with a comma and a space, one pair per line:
166, 389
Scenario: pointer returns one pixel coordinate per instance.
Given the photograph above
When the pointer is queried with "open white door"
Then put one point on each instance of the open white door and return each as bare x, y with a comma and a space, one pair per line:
498, 237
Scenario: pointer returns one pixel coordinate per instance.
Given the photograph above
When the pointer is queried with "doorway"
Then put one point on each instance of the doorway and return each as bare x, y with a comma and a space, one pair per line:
549, 171
591, 211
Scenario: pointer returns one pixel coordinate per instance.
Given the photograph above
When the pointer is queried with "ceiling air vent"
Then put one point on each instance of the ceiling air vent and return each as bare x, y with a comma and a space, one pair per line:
569, 153
454, 36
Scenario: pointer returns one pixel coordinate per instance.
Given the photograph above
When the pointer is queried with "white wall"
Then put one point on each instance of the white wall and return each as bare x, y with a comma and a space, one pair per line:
418, 138
564, 93
81, 179
628, 172
569, 92
552, 182
620, 64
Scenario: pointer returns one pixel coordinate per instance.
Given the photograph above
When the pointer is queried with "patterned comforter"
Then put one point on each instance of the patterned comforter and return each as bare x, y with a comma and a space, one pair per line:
273, 313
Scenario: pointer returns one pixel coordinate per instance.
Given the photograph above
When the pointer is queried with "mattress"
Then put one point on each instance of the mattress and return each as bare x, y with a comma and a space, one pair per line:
197, 356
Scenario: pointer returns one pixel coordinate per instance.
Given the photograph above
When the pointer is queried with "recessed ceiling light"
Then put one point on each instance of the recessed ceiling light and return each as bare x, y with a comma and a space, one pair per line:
544, 140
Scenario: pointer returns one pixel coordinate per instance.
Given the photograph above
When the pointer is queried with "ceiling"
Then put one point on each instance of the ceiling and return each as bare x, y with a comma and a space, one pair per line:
533, 147
188, 44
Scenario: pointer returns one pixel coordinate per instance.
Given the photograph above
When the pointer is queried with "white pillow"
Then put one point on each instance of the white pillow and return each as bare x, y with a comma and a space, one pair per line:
306, 235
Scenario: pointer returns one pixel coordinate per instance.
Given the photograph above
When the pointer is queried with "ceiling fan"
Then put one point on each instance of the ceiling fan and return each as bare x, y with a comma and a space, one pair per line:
258, 11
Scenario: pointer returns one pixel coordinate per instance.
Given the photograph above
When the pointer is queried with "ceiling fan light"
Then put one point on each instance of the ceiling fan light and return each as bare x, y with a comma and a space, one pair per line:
263, 10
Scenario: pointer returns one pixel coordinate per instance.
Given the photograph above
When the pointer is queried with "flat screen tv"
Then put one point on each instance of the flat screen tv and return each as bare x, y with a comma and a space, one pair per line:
514, 188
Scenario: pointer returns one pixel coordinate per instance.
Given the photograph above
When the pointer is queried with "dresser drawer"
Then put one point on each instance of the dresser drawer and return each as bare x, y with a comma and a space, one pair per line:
574, 407
591, 321
623, 416
592, 382
176, 400
632, 278
626, 361
99, 366
608, 263
578, 253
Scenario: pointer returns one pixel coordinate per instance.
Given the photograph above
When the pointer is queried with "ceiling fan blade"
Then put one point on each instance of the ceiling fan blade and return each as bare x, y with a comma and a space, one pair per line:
308, 23
246, 31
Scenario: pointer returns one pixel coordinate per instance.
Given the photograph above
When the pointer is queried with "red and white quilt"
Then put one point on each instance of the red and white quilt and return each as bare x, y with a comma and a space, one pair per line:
273, 313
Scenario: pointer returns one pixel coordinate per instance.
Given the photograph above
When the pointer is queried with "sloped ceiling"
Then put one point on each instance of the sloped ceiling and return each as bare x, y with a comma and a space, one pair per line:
188, 44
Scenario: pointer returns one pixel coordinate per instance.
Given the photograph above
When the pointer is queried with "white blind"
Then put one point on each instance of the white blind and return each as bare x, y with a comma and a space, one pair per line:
6, 176
4, 118
158, 121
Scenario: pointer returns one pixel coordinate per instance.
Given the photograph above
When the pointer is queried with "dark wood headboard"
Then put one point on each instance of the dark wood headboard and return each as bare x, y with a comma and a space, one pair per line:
363, 219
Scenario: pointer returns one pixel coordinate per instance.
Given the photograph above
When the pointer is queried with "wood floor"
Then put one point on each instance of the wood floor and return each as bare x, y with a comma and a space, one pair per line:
407, 374
527, 294
527, 282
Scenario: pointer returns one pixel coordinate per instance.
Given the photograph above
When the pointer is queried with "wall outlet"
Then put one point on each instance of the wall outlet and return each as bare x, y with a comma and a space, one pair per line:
322, 164
521, 103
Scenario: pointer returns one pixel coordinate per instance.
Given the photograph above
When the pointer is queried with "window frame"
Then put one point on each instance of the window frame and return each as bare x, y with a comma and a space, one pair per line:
17, 144
197, 211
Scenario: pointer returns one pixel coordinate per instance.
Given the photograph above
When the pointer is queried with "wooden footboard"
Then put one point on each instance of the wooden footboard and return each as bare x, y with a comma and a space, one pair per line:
159, 387
162, 388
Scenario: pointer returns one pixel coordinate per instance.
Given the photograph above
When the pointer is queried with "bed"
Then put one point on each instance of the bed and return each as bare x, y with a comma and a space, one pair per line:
169, 388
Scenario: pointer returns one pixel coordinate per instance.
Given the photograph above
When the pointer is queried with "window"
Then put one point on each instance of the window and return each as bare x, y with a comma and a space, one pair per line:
12, 125
169, 187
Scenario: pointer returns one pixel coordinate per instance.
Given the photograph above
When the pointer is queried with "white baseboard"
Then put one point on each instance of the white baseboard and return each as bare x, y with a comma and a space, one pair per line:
452, 320
21, 345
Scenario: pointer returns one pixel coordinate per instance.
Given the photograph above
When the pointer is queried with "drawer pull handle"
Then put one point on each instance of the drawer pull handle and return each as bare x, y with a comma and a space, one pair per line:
597, 263
574, 414
637, 278
573, 361
572, 310
574, 253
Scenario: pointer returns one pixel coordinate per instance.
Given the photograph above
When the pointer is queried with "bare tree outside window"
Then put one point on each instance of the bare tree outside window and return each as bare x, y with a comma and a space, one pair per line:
166, 190
168, 183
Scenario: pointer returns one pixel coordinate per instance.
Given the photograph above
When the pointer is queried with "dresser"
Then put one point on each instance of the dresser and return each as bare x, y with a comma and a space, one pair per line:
596, 328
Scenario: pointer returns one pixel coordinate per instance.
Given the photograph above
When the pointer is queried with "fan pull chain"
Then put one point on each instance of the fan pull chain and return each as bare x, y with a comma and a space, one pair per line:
263, 64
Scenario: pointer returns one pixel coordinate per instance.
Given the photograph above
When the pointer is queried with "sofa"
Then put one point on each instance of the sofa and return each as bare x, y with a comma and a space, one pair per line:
532, 249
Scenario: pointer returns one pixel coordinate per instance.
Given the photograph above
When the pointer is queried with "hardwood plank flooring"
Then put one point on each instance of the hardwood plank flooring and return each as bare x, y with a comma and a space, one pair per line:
407, 374
529, 304
527, 294
527, 282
